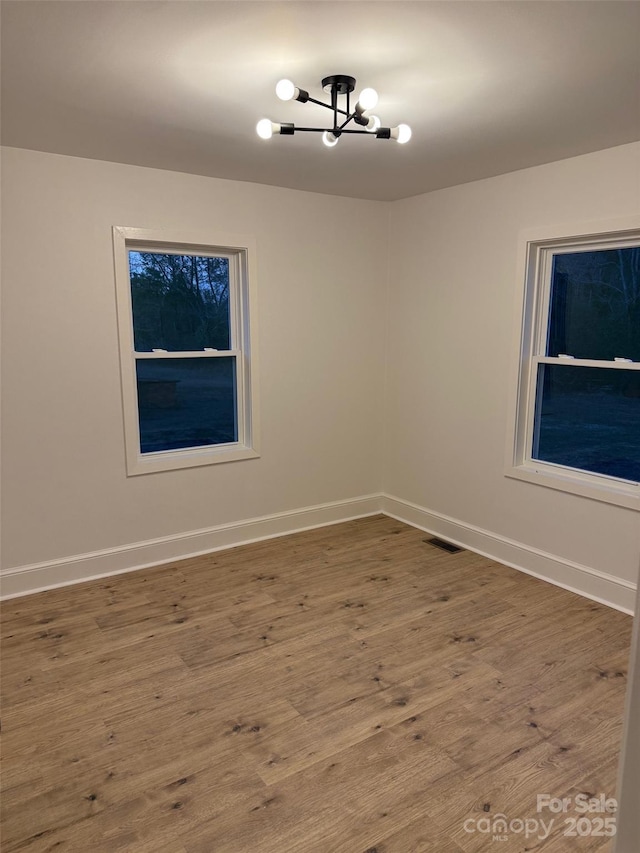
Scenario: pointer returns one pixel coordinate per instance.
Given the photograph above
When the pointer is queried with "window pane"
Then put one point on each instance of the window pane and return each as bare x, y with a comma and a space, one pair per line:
186, 402
589, 418
180, 302
595, 305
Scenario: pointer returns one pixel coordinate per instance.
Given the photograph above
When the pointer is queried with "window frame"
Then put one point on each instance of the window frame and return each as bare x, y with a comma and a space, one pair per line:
535, 255
240, 251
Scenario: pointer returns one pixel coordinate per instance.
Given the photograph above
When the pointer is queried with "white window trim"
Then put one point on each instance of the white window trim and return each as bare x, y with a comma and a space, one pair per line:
244, 342
534, 251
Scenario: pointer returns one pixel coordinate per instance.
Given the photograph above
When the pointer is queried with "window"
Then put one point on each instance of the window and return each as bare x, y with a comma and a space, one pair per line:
188, 376
578, 404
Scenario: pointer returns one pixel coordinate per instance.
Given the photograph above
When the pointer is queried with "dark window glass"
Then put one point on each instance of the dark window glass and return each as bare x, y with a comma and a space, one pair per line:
186, 402
589, 418
595, 305
180, 302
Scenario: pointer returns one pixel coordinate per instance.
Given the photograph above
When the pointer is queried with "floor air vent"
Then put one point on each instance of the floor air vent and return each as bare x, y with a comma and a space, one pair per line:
444, 546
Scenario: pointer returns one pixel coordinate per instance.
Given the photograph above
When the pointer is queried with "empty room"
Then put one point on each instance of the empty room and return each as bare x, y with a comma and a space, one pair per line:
320, 426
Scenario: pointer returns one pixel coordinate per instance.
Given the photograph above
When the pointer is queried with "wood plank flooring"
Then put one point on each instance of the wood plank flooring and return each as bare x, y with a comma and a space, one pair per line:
350, 689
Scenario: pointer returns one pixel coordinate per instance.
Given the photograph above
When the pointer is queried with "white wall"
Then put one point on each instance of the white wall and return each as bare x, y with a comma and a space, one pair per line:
321, 279
452, 296
325, 311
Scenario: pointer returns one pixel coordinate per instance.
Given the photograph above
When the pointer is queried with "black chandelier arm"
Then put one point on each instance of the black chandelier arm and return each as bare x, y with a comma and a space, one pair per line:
338, 131
326, 106
366, 132
343, 125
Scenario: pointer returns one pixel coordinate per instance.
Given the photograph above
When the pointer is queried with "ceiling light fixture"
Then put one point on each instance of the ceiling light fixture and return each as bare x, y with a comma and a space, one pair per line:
336, 85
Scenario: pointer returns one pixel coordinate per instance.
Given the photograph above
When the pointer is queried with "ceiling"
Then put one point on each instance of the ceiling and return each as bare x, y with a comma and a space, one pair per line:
487, 87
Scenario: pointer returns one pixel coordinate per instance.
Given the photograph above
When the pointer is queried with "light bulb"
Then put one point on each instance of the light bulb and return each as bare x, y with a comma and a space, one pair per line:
368, 99
329, 139
373, 124
285, 90
266, 128
401, 133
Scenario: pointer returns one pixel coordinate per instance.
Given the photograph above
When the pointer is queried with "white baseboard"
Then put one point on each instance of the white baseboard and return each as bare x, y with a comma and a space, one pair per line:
591, 583
24, 580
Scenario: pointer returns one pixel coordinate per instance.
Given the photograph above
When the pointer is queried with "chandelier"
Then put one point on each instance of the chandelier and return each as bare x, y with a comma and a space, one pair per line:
337, 86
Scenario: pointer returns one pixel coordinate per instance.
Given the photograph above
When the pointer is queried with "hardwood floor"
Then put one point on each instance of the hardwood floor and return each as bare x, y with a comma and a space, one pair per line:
350, 689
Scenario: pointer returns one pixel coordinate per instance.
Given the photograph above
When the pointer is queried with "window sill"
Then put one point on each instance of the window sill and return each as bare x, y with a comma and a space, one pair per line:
593, 487
152, 463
